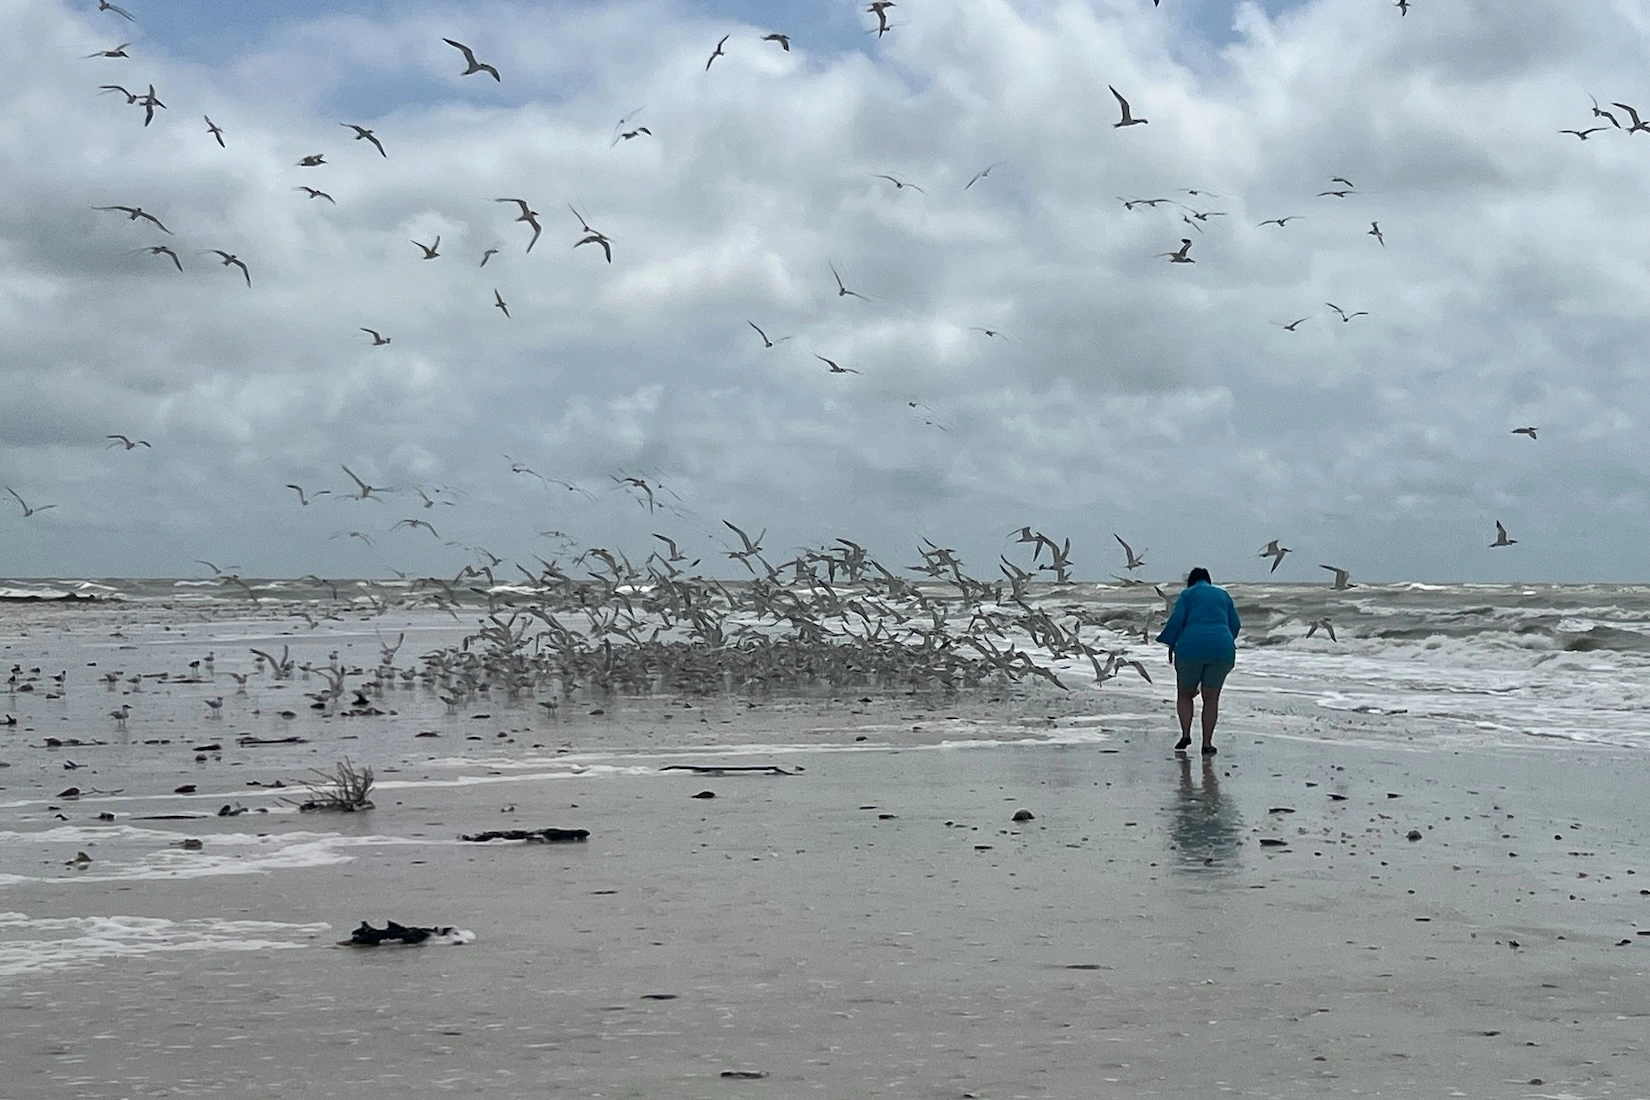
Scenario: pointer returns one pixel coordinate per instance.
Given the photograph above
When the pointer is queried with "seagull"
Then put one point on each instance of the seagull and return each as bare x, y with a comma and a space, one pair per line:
498, 303
1583, 134
1341, 575
1180, 257
378, 340
1375, 231
230, 258
1345, 316
104, 5
528, 215
120, 714
783, 39
131, 97
162, 250
842, 291
834, 368
487, 255
1130, 204
1343, 181
430, 252
1324, 625
899, 185
718, 52
1290, 327
150, 102
584, 225
1280, 222
1597, 113
1501, 538
1525, 431
128, 443
879, 8
424, 523
1634, 115
118, 51
470, 60
980, 175
314, 194
364, 134
1128, 119
1135, 561
1275, 552
366, 490
766, 343
597, 238
27, 511
314, 160
215, 130
133, 213
1336, 194
304, 500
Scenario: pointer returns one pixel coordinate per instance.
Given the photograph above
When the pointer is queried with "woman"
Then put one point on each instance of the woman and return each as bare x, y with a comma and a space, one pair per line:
1202, 638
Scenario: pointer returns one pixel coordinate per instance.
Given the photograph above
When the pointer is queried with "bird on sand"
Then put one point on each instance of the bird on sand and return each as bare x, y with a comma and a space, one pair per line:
498, 303
528, 215
314, 194
364, 134
27, 511
474, 66
1501, 538
1180, 257
133, 213
162, 250
832, 364
1275, 552
1341, 577
1128, 118
126, 441
215, 130
1375, 231
1529, 431
718, 52
1135, 560
378, 339
229, 258
430, 252
1345, 316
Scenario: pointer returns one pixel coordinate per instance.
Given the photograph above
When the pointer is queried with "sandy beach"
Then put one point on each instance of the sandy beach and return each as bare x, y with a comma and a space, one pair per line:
873, 924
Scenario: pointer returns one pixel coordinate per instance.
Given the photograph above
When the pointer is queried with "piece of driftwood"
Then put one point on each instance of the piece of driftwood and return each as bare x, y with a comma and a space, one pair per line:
713, 769
532, 836
393, 933
253, 742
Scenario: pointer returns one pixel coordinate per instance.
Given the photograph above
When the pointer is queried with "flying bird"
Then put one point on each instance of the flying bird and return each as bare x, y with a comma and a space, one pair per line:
1598, 113
215, 130
1375, 231
1135, 560
27, 511
304, 500
104, 5
1179, 257
1341, 578
1585, 134
498, 303
162, 250
899, 185
131, 96
1342, 180
133, 213
980, 175
126, 441
528, 215
424, 523
1280, 222
842, 291
879, 8
1337, 194
597, 238
474, 66
364, 134
630, 135
378, 339
1128, 119
1501, 538
1525, 431
230, 258
1275, 552
314, 160
366, 490
314, 194
783, 39
832, 364
118, 51
718, 52
1324, 625
766, 343
992, 332
1290, 327
430, 252
1345, 316
1634, 115
487, 255
150, 102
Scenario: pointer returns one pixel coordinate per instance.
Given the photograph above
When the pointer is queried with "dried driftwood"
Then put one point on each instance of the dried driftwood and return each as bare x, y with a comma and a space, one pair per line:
344, 790
532, 836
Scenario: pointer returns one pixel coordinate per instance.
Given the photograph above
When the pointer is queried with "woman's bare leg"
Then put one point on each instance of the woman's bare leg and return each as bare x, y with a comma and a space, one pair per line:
1211, 714
1183, 709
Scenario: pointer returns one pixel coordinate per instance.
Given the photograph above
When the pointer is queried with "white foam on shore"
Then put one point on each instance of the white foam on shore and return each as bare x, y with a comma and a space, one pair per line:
30, 945
225, 854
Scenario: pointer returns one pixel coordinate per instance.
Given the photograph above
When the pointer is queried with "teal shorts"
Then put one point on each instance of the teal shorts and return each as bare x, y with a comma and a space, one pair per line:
1208, 675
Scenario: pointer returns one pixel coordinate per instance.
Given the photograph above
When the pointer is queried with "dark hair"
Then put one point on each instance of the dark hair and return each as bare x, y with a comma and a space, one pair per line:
1198, 574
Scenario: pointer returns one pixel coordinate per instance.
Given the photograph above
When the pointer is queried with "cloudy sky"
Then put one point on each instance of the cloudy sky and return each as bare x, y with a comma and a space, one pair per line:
1123, 393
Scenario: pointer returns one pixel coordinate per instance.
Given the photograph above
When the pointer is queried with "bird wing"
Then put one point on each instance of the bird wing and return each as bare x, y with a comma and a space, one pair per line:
1121, 102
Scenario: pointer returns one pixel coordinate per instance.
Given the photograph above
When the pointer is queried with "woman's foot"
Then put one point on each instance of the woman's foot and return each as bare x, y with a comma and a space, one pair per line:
1209, 750
1183, 744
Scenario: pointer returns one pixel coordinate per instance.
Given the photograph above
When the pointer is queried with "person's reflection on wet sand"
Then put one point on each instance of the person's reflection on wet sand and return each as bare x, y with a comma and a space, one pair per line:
1203, 826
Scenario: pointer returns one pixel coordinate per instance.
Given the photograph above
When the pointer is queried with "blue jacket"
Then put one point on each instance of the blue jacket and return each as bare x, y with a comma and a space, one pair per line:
1203, 625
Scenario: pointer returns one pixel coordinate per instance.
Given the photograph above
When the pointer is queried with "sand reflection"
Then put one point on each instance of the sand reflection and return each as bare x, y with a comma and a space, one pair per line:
1204, 826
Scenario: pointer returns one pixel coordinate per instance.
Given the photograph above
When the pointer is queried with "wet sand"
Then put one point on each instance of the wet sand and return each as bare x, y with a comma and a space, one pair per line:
875, 925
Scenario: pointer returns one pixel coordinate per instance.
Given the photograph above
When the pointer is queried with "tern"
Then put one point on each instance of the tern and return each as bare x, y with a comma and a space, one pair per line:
899, 185
1290, 327
597, 238
162, 250
1275, 552
474, 66
842, 291
528, 215
1345, 316
150, 102
783, 39
1598, 113
424, 523
314, 194
1584, 134
631, 135
118, 51
1375, 231
303, 499
1341, 575
215, 130
104, 5
229, 258
980, 175
430, 252
832, 364
131, 96
133, 213
1180, 257
1280, 222
364, 134
1634, 115
366, 490
991, 332
487, 255
126, 441
27, 511
1525, 431
498, 303
378, 339
1135, 561
1130, 204
718, 52
1324, 625
314, 160
1336, 194
1127, 119
879, 8
1501, 538
766, 343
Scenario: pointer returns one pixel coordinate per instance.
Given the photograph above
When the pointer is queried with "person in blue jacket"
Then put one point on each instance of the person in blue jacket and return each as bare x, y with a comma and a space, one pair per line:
1202, 638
